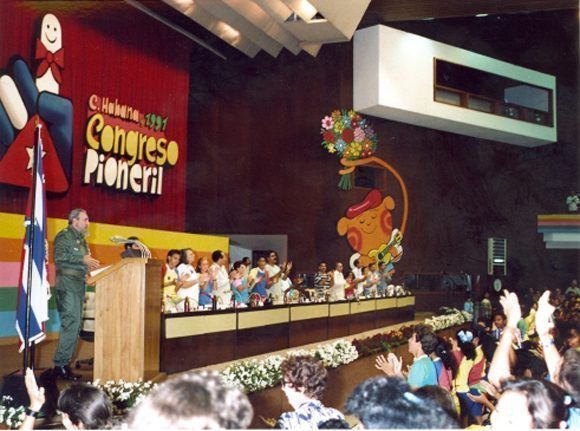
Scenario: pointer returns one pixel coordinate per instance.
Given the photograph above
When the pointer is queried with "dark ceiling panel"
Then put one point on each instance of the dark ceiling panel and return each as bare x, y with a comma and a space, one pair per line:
382, 11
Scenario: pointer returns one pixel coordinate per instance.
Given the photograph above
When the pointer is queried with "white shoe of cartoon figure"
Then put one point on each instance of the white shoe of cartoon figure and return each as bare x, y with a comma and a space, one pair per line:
50, 55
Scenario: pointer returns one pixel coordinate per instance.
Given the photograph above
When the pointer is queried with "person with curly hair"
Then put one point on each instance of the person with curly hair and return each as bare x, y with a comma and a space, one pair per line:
303, 383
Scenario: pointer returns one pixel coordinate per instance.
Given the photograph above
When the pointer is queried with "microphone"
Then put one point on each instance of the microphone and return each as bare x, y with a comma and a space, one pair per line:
145, 252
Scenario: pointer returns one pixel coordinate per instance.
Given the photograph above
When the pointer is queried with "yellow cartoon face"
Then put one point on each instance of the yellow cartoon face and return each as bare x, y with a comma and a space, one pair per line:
369, 228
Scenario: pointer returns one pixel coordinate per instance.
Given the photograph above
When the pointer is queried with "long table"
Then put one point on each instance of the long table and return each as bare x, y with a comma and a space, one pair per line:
200, 338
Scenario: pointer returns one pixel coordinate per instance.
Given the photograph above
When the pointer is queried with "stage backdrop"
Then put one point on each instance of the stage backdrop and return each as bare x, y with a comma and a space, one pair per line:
110, 85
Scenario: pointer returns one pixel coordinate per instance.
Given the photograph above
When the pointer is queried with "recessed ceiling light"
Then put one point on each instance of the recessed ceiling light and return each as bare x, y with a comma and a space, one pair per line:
481, 15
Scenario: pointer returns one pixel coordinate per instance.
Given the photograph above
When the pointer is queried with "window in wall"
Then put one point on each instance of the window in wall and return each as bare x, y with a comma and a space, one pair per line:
496, 256
486, 92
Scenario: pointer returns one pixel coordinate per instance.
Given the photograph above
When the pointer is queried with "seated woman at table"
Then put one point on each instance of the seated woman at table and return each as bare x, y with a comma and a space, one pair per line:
258, 279
189, 290
240, 285
206, 282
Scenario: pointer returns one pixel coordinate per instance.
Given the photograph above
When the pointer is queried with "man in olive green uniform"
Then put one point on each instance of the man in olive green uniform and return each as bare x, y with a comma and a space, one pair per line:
73, 260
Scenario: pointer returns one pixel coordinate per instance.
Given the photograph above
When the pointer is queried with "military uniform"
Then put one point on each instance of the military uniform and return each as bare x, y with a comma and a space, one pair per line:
70, 248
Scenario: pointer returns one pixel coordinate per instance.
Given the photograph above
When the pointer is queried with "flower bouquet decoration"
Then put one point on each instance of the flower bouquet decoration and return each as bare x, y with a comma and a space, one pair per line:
11, 416
125, 395
350, 136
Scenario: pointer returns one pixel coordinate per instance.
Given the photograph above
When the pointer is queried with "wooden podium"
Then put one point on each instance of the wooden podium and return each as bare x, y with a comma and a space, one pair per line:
127, 320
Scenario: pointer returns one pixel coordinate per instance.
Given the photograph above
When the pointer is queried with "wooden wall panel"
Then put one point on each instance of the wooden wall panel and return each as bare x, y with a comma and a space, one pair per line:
255, 127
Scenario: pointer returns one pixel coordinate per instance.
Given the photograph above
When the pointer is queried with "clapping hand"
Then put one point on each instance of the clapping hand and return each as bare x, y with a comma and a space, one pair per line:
392, 366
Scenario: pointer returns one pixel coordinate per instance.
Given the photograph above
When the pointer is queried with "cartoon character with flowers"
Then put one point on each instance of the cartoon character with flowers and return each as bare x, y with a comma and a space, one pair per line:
368, 224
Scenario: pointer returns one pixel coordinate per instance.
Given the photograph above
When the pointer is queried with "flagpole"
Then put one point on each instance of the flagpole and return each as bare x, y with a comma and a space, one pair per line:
26, 359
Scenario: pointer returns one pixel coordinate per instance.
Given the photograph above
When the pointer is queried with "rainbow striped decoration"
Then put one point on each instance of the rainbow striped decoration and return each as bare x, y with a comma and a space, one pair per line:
12, 232
560, 230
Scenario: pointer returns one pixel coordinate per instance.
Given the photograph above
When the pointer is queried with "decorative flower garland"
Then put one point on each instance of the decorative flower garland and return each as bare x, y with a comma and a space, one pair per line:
125, 395
387, 341
253, 375
11, 416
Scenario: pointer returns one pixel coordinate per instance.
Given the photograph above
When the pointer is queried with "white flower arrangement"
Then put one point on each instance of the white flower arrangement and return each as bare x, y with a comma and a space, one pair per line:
253, 376
125, 395
453, 317
10, 416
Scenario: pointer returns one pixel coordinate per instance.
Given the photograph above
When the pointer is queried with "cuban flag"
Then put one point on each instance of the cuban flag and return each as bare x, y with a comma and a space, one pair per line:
38, 272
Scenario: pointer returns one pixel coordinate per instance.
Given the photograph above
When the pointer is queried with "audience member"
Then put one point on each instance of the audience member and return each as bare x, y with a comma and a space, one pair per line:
498, 325
334, 424
441, 396
422, 343
485, 306
388, 403
468, 305
303, 383
194, 400
82, 406
444, 362
573, 289
468, 354
529, 404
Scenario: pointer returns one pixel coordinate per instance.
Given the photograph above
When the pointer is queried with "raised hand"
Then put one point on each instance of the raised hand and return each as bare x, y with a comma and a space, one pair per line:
544, 315
35, 393
511, 308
